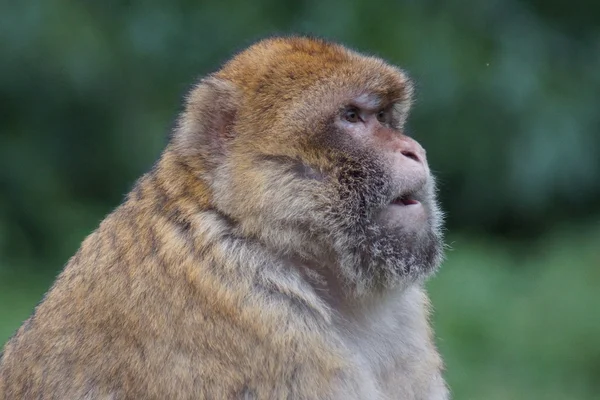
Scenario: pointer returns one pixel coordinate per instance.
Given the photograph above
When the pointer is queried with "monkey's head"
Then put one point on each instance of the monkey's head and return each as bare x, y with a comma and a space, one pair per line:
300, 142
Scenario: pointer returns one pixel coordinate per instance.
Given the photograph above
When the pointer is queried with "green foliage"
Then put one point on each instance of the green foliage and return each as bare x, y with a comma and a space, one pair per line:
520, 322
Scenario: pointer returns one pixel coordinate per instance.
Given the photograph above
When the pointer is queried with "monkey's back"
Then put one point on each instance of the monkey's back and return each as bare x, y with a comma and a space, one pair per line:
151, 307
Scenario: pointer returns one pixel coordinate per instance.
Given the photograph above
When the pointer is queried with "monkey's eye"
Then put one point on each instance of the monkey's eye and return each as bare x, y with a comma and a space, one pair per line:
382, 117
351, 115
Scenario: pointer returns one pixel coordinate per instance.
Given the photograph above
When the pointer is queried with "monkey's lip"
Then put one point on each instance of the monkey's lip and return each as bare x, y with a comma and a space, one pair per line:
405, 200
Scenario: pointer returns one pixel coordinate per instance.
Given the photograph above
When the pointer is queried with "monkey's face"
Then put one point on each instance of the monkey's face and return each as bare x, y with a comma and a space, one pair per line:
385, 219
320, 167
374, 203
349, 188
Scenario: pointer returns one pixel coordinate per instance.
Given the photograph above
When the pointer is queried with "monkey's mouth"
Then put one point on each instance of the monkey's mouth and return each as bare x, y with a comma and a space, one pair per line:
406, 210
405, 200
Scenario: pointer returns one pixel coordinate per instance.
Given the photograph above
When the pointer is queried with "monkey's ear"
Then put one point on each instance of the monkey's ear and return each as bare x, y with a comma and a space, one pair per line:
206, 126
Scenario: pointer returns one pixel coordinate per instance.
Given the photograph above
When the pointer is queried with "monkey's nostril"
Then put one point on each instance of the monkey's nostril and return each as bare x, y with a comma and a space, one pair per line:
410, 155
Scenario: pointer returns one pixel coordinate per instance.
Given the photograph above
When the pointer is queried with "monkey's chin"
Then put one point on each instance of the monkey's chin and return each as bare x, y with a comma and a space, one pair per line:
411, 217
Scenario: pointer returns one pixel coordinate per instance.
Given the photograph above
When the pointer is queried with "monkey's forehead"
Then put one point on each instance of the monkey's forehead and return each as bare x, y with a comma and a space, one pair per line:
286, 67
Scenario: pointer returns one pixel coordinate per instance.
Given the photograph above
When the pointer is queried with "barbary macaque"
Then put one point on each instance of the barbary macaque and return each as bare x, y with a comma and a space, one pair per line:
277, 250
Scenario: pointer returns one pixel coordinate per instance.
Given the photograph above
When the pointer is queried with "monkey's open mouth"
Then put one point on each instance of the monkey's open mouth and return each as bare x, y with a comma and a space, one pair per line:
405, 200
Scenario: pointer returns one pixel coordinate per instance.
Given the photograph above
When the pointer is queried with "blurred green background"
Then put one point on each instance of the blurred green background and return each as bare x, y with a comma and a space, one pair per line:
507, 106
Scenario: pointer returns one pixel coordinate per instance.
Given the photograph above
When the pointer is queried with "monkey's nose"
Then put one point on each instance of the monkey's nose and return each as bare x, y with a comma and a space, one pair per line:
411, 149
410, 154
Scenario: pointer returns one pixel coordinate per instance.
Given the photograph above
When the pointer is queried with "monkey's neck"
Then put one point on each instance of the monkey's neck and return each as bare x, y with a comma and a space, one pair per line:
349, 305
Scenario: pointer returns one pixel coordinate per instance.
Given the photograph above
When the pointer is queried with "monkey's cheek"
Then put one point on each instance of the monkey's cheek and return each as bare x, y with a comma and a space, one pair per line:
412, 217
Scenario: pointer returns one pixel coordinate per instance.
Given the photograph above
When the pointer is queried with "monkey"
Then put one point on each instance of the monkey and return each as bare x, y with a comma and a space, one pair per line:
277, 249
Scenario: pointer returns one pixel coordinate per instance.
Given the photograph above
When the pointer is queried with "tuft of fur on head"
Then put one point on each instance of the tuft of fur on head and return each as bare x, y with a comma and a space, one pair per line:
260, 132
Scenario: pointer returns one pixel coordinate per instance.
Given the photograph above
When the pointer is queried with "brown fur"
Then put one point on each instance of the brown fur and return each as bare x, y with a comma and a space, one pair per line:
216, 278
